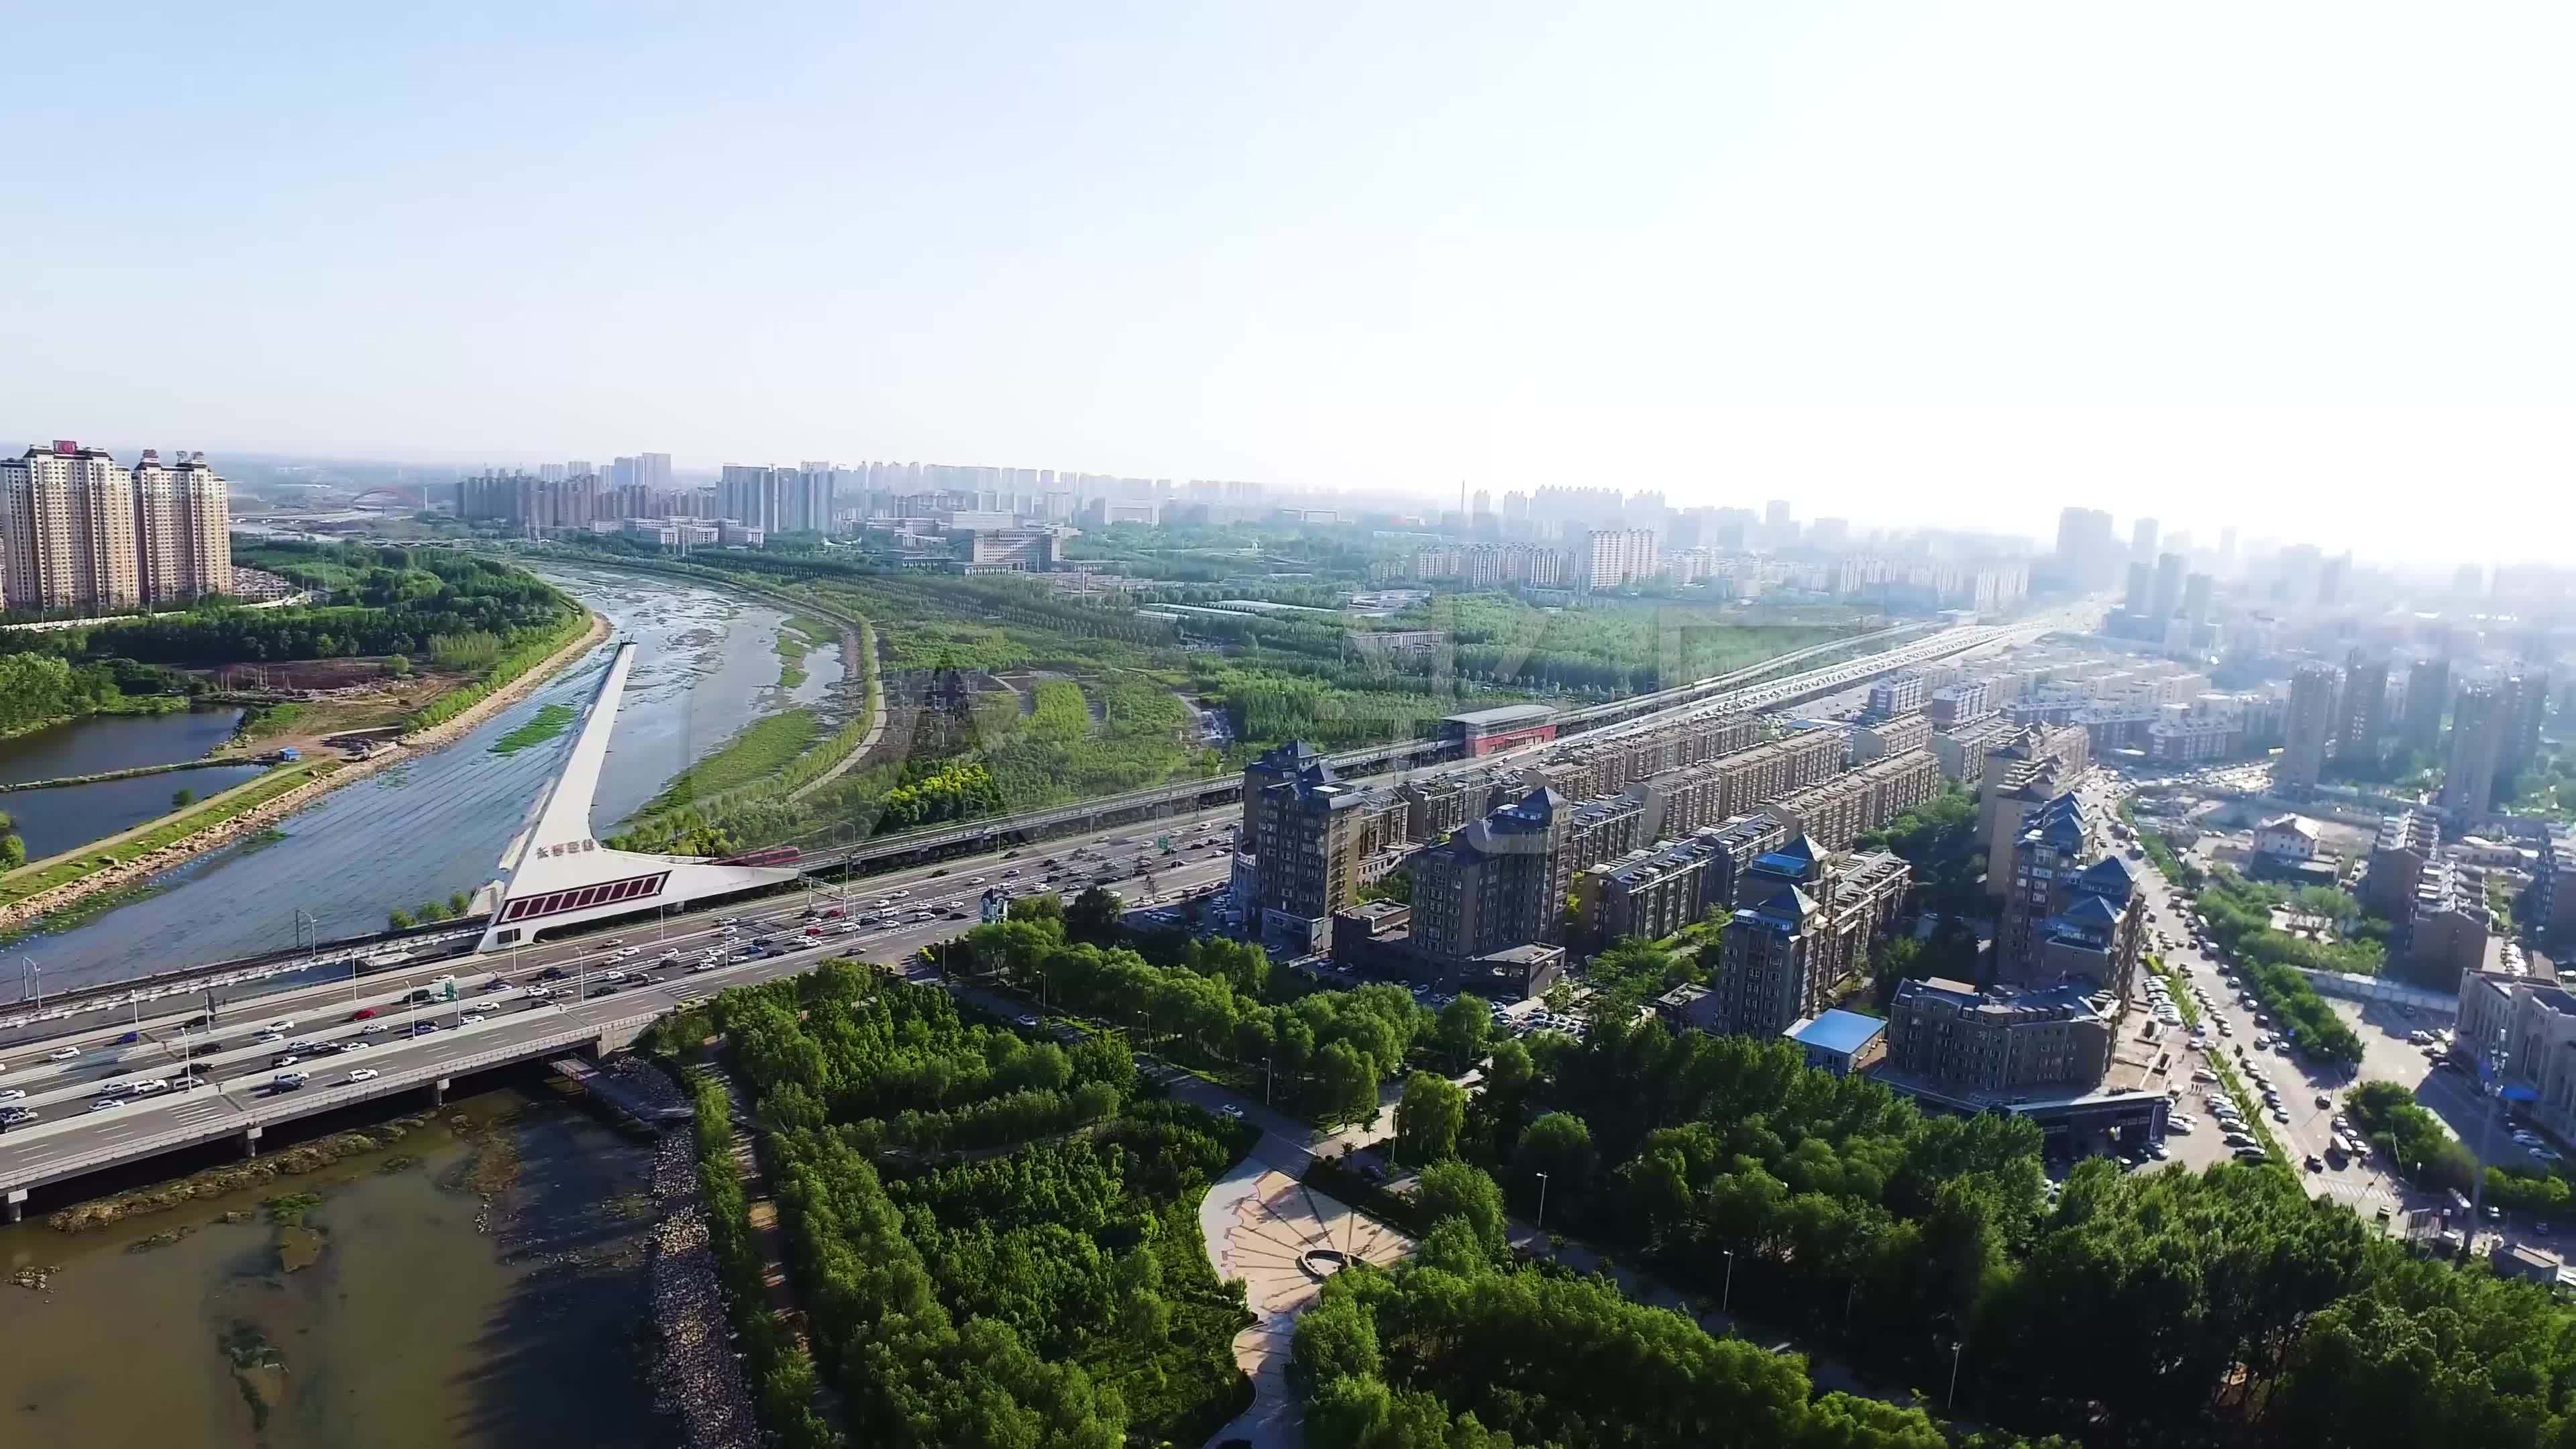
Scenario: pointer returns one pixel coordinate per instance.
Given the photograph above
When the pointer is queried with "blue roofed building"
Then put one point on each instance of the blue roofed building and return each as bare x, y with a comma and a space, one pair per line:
1841, 1042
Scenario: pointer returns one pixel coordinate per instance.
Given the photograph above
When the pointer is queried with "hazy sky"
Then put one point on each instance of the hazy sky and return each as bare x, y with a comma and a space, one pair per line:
2300, 269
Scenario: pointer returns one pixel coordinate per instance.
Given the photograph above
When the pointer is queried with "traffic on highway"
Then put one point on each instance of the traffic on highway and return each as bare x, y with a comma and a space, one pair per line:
100, 1078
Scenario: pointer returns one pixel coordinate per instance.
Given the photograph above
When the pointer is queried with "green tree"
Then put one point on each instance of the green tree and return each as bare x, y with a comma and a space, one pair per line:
1428, 1119
399, 919
458, 903
1039, 909
1093, 917
1560, 1145
1456, 1189
1465, 1025
1345, 1085
1336, 1339
13, 852
182, 798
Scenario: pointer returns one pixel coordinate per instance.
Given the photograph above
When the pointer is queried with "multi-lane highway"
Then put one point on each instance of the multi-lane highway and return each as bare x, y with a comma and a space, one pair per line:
507, 1001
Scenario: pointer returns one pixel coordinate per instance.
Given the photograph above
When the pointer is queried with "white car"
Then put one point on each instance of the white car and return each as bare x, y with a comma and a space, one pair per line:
614, 977
103, 1103
363, 1074
540, 993
283, 1023
14, 1094
150, 1087
472, 1018
373, 1027
63, 1054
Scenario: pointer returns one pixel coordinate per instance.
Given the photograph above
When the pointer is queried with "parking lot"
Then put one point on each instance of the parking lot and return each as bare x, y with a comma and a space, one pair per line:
2303, 1126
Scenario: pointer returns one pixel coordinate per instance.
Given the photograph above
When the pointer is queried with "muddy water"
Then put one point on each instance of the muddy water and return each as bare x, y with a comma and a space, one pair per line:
473, 1286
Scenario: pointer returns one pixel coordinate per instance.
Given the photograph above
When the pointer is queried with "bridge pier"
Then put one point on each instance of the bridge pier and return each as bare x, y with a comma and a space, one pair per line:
438, 1092
250, 1141
17, 1204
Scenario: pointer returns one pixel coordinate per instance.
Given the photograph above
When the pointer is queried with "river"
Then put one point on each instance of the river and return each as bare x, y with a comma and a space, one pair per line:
706, 664
473, 1286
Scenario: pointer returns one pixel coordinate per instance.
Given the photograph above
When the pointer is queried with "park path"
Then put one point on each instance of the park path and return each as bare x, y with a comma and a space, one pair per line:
1261, 1225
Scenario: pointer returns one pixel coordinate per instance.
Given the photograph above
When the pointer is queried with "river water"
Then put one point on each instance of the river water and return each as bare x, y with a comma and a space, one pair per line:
706, 664
481, 1286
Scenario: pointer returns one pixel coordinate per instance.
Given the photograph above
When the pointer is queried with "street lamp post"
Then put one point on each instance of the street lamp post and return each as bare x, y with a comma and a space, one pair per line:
1541, 1224
1952, 1402
1726, 1295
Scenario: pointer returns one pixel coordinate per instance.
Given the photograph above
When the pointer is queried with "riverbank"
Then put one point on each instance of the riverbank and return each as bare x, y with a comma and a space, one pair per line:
148, 850
128, 704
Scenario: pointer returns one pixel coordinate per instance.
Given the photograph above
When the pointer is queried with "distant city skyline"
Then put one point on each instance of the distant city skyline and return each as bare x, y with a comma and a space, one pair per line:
1910, 264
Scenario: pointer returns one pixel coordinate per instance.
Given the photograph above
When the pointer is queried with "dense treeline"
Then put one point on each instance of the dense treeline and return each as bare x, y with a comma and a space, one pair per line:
35, 688
2141, 1308
1056, 1293
1320, 1053
780, 1373
1453, 1351
388, 601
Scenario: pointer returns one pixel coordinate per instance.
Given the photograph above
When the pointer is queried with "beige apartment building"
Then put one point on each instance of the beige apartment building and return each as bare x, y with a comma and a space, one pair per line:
183, 528
80, 533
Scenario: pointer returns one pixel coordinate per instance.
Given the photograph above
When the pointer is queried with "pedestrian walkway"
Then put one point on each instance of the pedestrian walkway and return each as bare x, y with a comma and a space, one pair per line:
1282, 1239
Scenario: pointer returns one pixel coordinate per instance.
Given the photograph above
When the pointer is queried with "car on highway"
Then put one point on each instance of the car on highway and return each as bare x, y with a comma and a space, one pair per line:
14, 1094
373, 1027
363, 1013
63, 1054
150, 1087
540, 993
364, 1074
288, 1081
472, 1018
552, 973
614, 976
16, 1117
103, 1103
285, 1059
423, 1028
1233, 1111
